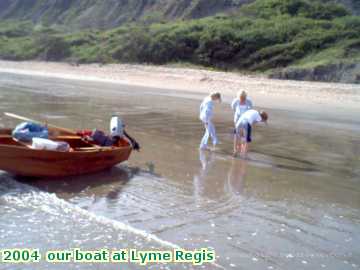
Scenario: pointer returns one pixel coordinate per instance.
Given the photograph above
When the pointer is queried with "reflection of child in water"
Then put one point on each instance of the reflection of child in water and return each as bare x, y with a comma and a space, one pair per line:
236, 177
206, 159
213, 181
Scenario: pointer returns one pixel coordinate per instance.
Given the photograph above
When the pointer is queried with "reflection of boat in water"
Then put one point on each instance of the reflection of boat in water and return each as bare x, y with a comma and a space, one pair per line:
110, 187
19, 159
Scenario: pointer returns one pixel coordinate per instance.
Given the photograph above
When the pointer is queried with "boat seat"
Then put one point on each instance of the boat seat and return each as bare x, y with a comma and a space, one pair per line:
27, 144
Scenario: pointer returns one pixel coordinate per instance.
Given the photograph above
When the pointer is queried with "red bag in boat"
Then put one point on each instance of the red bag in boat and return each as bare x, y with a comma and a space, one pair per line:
84, 133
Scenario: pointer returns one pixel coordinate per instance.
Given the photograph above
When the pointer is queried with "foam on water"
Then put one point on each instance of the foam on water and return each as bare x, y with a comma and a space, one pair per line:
16, 196
30, 196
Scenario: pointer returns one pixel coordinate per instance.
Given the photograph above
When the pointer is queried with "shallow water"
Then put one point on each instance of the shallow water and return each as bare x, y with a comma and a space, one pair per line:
295, 204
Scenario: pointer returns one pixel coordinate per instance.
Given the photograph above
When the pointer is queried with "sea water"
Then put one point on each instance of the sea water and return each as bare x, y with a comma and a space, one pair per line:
293, 204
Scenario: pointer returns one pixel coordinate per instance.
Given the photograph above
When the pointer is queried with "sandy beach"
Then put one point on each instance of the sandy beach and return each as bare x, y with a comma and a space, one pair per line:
268, 93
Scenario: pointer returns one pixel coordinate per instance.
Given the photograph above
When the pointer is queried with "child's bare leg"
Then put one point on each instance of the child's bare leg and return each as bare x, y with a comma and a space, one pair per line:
236, 142
240, 140
246, 148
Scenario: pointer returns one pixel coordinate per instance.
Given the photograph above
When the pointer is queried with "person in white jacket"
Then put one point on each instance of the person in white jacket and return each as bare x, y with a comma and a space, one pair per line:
240, 105
206, 115
244, 129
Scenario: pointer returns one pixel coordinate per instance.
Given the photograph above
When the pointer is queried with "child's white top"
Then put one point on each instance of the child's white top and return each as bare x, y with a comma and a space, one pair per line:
206, 109
250, 117
239, 108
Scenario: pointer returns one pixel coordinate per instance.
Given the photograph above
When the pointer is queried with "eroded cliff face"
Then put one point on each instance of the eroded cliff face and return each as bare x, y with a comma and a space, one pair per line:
111, 13
344, 73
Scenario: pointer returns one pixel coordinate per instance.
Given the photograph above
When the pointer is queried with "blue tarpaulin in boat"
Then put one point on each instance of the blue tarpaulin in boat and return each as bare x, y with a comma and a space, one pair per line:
27, 130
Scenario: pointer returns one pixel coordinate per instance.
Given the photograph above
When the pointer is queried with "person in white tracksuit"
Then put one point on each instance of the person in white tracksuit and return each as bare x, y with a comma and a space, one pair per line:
206, 115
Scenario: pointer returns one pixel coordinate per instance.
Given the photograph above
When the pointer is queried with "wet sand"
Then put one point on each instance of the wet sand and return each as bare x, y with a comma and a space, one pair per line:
280, 94
294, 205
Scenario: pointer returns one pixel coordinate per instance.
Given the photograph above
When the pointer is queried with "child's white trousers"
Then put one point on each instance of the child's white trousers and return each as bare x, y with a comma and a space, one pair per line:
209, 132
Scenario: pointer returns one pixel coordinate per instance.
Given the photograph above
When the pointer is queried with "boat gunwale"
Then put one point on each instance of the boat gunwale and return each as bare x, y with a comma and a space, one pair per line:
98, 149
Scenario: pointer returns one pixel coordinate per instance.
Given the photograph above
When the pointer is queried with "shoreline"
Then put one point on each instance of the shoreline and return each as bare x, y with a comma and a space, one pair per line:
269, 93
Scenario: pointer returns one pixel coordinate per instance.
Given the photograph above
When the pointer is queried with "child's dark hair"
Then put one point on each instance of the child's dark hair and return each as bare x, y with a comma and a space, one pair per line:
216, 95
264, 116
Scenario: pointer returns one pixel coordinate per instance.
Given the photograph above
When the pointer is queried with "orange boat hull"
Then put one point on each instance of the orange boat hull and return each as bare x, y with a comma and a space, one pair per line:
24, 161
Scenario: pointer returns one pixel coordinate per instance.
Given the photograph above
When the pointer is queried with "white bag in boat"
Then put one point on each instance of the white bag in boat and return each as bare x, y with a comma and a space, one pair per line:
116, 127
45, 144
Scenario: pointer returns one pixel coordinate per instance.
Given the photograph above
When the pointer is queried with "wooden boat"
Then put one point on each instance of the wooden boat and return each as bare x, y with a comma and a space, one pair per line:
19, 159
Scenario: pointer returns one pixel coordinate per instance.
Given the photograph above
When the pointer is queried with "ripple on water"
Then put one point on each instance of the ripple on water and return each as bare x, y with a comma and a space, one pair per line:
43, 220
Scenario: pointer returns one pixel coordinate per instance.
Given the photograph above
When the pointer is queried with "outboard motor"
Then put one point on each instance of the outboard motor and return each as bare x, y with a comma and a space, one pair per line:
116, 127
117, 132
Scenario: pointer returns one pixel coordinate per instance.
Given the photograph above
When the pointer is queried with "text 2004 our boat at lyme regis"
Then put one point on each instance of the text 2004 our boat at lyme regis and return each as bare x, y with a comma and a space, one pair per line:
141, 257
